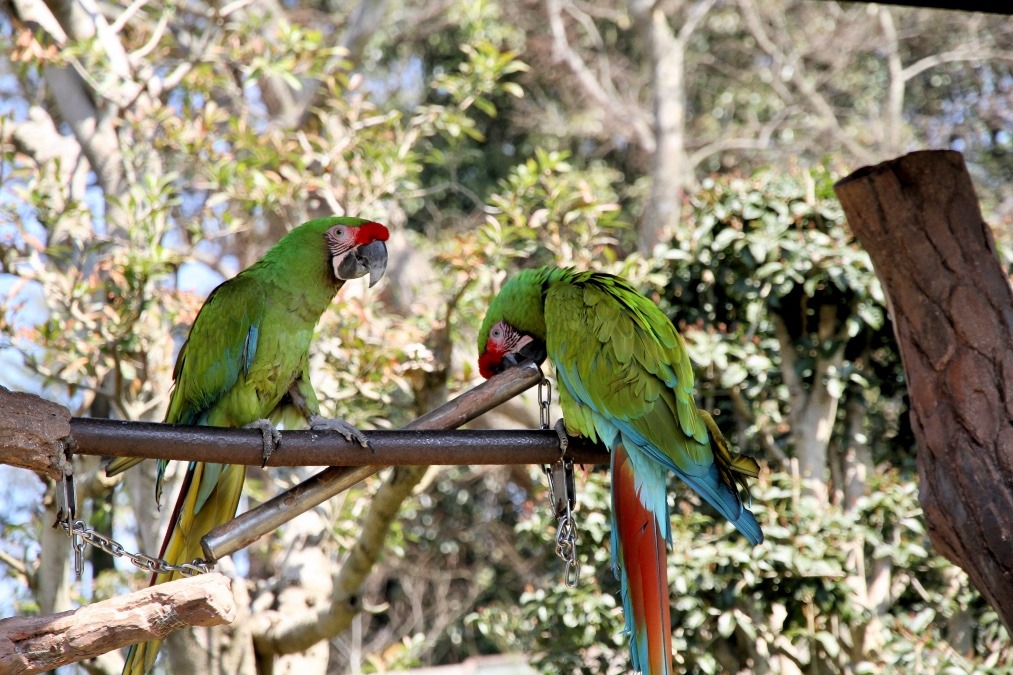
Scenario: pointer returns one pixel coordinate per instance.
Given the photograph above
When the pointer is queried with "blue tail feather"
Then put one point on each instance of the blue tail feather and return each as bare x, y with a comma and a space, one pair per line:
726, 501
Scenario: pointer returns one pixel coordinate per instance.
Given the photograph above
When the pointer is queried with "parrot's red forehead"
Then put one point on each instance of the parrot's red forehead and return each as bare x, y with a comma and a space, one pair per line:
370, 232
489, 361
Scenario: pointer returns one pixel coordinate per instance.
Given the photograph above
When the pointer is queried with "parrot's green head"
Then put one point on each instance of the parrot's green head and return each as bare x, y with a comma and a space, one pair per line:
514, 327
351, 247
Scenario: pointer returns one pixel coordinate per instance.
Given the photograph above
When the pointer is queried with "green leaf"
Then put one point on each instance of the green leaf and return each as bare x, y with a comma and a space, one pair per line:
724, 238
829, 643
922, 620
734, 374
726, 624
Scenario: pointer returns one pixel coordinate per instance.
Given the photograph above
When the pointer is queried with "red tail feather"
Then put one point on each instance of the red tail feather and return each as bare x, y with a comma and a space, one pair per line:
644, 566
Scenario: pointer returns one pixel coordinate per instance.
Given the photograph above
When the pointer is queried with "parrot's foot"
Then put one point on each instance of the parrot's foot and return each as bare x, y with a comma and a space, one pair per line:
564, 440
318, 423
272, 437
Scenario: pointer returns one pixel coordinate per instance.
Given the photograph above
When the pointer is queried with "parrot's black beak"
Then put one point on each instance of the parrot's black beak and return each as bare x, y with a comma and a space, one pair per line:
533, 351
369, 259
376, 260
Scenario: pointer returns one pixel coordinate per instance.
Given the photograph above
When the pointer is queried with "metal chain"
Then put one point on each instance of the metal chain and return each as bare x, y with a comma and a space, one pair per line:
82, 535
544, 401
562, 496
566, 549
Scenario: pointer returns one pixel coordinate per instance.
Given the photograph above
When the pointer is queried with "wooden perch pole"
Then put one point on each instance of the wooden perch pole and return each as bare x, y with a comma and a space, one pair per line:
952, 308
35, 644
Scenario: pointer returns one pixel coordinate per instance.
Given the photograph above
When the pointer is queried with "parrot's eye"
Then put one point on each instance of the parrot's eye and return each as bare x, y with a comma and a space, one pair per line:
497, 332
339, 231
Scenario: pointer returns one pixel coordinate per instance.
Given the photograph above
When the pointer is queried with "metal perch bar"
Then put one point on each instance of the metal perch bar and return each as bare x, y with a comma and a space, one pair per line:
403, 447
255, 523
424, 441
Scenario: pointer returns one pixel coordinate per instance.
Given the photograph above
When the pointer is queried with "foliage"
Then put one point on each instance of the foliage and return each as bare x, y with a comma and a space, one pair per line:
774, 248
790, 598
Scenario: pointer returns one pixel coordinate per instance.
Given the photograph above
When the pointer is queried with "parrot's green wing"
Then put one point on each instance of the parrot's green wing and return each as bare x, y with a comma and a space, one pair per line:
625, 370
625, 362
222, 344
220, 350
221, 347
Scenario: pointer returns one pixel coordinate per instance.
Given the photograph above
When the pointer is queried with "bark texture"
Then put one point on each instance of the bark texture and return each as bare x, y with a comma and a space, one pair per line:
39, 643
32, 432
952, 307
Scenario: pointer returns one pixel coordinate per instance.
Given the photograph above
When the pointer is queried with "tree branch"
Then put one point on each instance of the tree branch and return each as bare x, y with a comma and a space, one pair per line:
896, 81
73, 99
39, 643
798, 79
32, 432
17, 568
920, 66
627, 114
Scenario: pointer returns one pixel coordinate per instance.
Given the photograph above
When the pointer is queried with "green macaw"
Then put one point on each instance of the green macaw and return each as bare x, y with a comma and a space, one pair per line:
246, 360
626, 380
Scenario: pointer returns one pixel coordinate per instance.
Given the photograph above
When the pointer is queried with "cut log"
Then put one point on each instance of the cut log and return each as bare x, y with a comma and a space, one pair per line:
952, 308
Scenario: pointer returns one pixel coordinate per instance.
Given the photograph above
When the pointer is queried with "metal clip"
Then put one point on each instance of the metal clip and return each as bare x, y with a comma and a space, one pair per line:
66, 513
77, 542
66, 500
562, 487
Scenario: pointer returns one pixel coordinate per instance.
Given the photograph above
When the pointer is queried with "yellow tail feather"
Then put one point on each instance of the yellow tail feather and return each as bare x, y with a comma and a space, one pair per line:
182, 542
733, 467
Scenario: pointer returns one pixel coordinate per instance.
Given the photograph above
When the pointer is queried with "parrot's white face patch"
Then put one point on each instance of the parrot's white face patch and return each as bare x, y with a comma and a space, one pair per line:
504, 341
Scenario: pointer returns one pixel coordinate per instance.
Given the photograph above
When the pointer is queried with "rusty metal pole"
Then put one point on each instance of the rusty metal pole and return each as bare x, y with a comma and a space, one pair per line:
250, 526
400, 447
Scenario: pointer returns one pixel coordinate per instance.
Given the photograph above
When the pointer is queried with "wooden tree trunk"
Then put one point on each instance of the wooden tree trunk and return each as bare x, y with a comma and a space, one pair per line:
952, 307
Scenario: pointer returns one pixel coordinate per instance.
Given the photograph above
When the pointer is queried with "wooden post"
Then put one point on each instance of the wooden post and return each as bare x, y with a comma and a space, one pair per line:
952, 308
35, 644
32, 432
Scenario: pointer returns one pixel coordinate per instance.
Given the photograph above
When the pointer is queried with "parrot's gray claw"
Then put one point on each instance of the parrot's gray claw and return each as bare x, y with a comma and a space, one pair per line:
564, 440
272, 437
319, 423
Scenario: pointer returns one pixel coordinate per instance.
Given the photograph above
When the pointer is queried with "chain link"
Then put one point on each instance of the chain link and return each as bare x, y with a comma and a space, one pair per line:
544, 401
562, 495
81, 536
87, 536
566, 549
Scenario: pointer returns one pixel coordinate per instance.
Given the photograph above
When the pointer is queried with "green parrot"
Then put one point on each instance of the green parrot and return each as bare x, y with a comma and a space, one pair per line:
624, 379
246, 362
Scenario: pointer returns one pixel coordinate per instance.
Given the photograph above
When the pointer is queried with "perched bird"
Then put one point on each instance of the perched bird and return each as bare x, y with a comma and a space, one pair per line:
624, 379
246, 363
